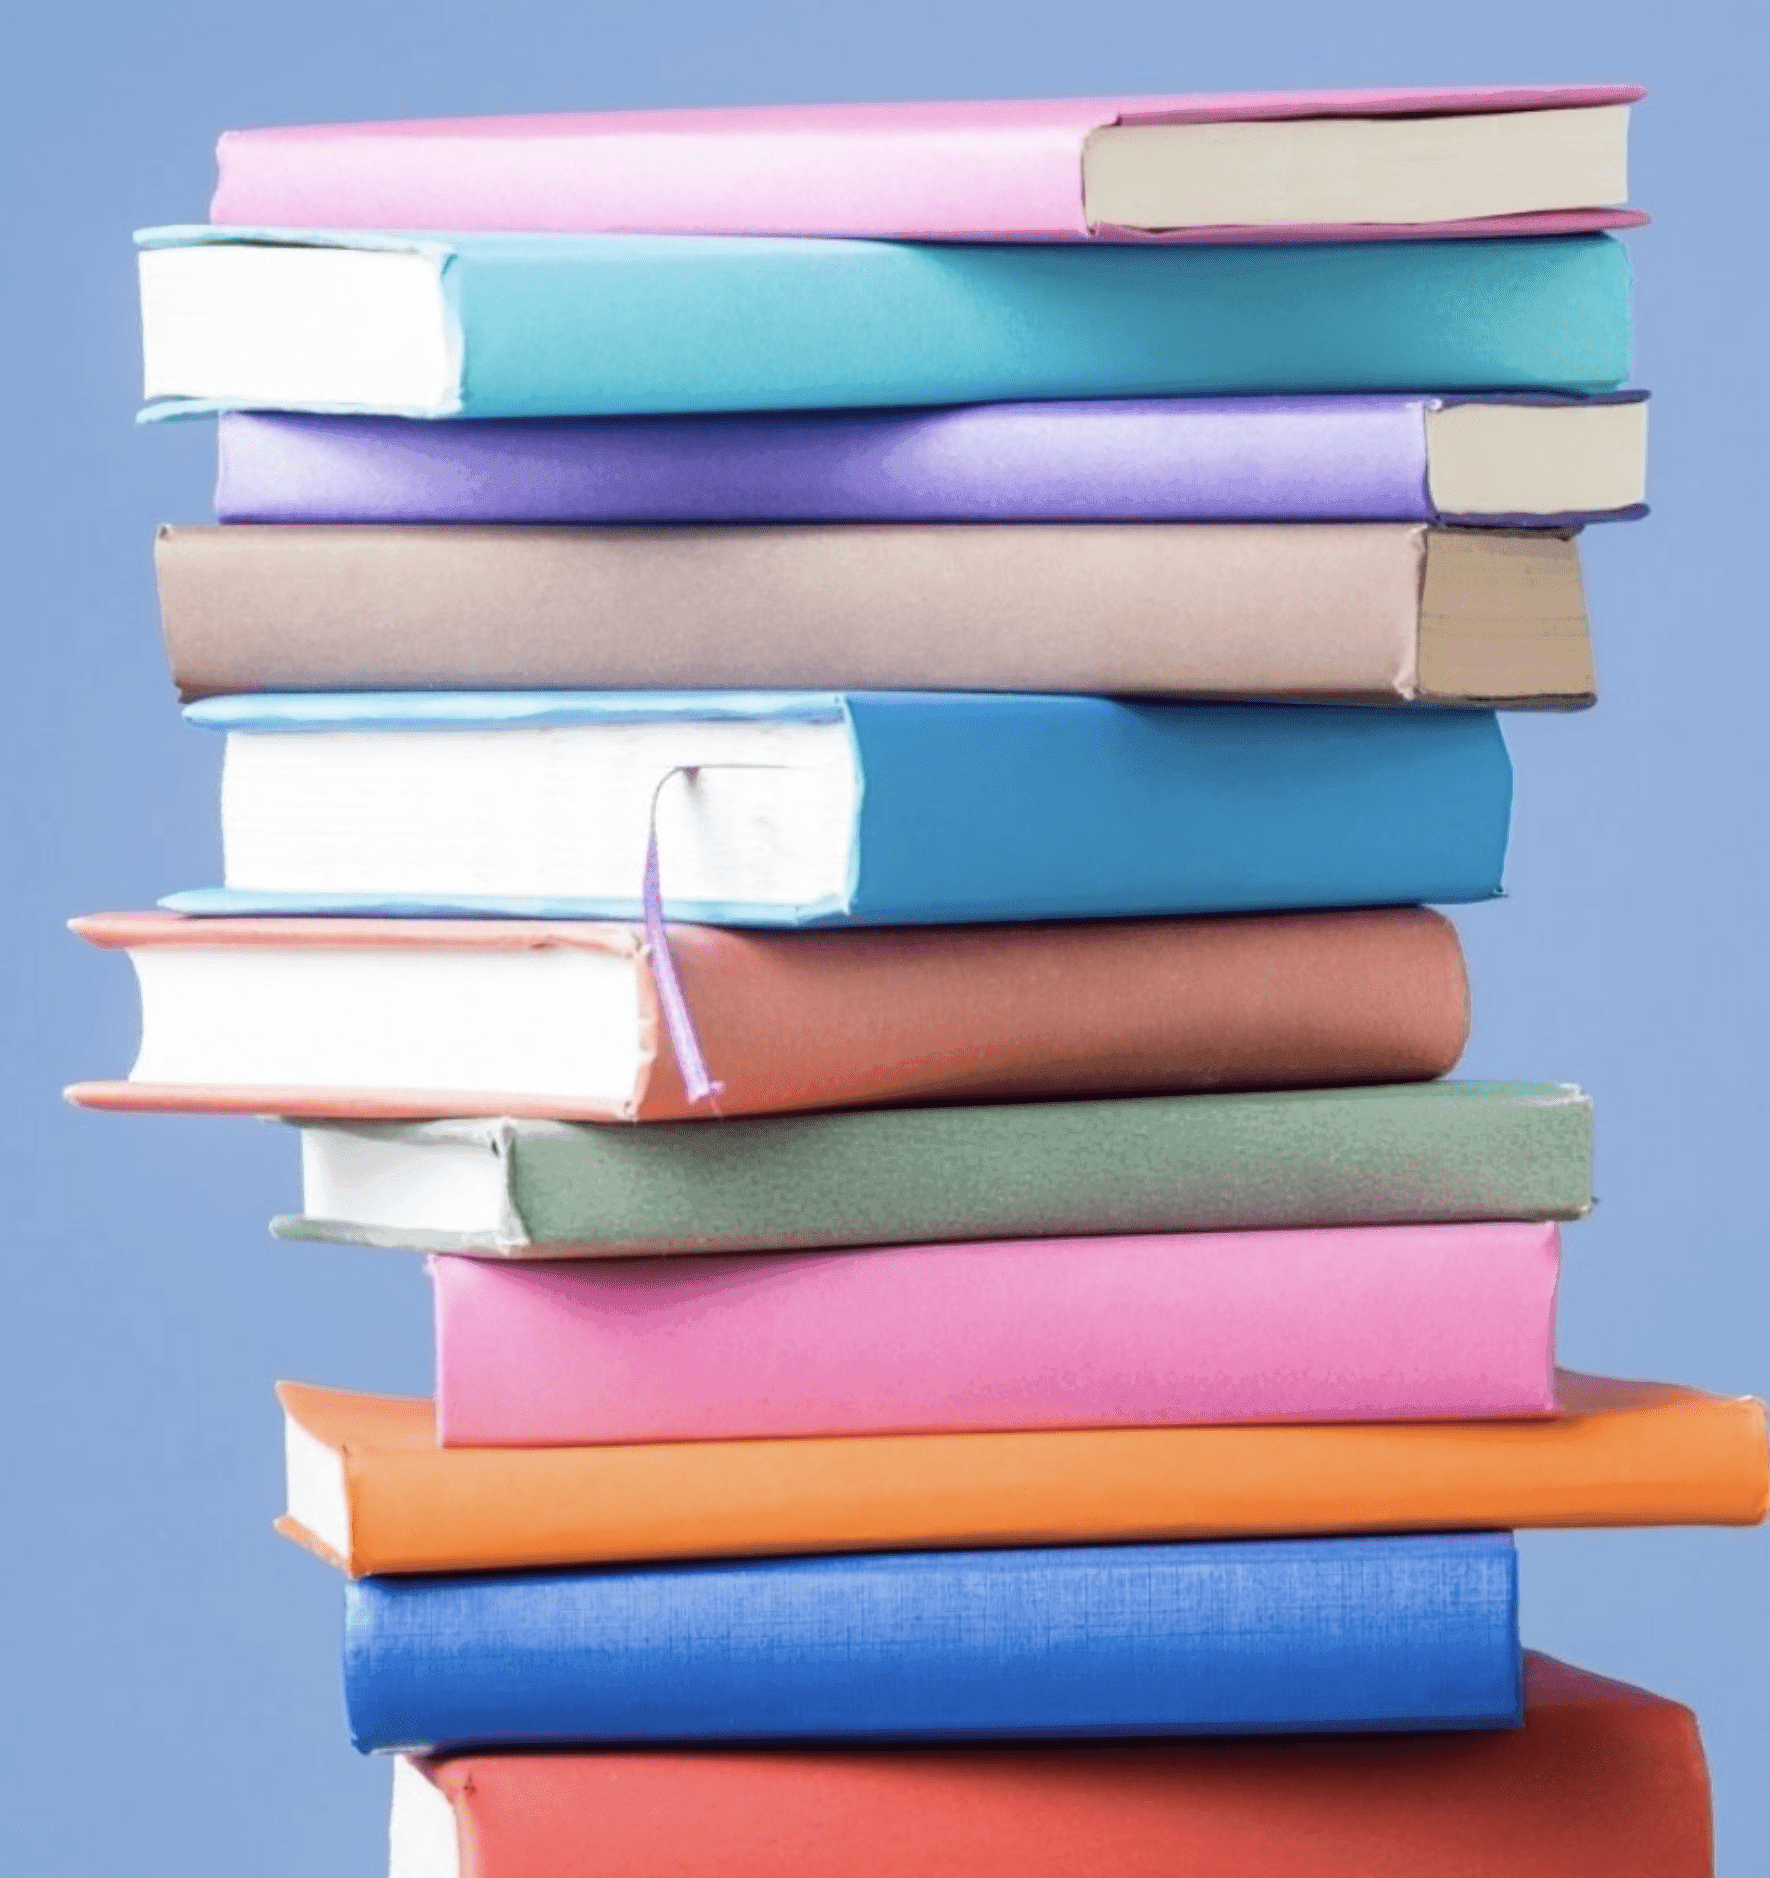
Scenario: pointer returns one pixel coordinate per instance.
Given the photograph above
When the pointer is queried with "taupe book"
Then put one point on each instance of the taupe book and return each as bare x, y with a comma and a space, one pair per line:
1395, 613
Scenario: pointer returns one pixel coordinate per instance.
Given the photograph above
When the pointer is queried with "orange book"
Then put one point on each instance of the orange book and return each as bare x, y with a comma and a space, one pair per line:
371, 1490
1602, 1781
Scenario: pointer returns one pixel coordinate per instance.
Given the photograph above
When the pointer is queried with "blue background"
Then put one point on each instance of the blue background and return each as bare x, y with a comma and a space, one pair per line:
171, 1697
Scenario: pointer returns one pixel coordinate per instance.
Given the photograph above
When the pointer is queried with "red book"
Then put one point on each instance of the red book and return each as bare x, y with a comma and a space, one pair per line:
1603, 1781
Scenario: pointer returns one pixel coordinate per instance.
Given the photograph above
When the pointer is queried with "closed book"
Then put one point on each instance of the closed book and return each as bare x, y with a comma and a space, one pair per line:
1602, 1781
373, 1491
1366, 613
400, 1018
1231, 167
507, 325
1276, 1636
864, 808
1408, 1154
1374, 1323
1486, 460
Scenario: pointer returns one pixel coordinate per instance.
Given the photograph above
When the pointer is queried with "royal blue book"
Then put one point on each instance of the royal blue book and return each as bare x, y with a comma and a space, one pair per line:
1276, 1636
865, 808
509, 325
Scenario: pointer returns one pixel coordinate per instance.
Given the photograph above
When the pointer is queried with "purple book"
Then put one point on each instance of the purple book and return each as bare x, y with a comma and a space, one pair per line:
1494, 461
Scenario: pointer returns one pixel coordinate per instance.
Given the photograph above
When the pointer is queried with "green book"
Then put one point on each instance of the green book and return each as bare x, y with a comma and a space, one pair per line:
1414, 1152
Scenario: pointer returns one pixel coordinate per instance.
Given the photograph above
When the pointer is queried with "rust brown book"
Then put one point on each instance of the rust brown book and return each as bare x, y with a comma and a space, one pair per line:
411, 1018
1387, 613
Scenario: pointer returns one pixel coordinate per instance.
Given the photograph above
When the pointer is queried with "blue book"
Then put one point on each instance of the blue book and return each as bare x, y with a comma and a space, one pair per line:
1274, 1636
582, 325
867, 808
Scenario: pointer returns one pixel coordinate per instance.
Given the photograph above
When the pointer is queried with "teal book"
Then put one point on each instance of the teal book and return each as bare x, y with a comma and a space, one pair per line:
870, 808
501, 326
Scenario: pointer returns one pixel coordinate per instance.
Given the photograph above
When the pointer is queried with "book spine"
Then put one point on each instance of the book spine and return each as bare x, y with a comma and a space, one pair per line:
1302, 1000
1383, 1324
1079, 808
1279, 459
691, 174
1219, 610
1278, 1636
607, 327
1055, 1170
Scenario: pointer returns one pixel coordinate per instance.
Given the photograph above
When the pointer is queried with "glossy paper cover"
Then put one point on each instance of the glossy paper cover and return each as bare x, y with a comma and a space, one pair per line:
1277, 459
996, 170
1402, 1323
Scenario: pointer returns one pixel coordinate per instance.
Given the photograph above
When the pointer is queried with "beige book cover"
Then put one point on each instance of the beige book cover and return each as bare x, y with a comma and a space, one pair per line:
1393, 613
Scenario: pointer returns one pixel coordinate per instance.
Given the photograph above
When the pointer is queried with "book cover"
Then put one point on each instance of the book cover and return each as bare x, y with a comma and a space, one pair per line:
1002, 170
372, 1490
586, 325
1278, 1636
1408, 1154
1602, 1779
1348, 613
1276, 459
793, 1021
1359, 1324
963, 806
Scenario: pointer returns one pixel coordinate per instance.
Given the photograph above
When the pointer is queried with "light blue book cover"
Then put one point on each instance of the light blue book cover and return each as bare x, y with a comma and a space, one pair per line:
1269, 1636
999, 806
585, 325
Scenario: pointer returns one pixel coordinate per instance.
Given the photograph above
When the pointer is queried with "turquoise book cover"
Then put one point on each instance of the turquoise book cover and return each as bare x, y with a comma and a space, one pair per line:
585, 325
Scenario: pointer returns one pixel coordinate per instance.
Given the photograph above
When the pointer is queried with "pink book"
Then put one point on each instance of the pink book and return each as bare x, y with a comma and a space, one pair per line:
1386, 1323
1253, 166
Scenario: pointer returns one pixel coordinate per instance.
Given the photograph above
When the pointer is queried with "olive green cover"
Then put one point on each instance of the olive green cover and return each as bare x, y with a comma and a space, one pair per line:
1416, 1152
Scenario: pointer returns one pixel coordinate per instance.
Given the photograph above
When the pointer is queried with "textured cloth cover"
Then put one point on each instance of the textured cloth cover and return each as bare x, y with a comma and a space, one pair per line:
1417, 1153
1276, 1636
1362, 1324
1602, 1781
1002, 170
1620, 1454
795, 1021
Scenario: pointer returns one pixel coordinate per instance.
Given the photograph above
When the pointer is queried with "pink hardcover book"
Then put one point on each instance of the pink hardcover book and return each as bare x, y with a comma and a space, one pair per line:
1254, 166
1387, 1323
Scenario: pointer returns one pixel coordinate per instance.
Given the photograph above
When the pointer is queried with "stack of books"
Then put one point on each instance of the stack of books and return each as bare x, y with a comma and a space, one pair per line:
841, 726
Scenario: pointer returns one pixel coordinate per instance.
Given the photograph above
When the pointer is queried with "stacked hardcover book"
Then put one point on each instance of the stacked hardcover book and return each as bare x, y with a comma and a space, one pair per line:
841, 727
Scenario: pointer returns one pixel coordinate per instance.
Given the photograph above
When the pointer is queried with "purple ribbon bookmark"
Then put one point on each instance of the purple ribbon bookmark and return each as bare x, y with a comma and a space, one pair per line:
697, 1079
678, 1019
